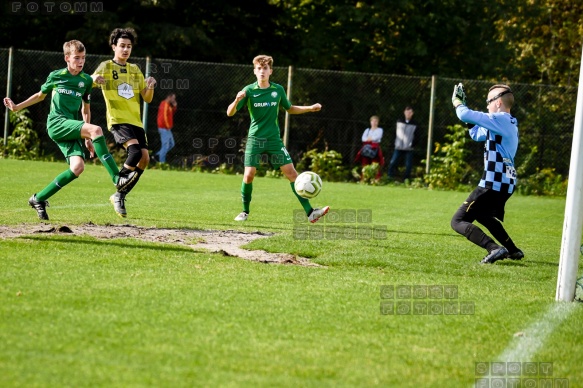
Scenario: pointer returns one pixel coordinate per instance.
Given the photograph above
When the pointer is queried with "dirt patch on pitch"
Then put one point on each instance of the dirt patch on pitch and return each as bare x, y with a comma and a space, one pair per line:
225, 242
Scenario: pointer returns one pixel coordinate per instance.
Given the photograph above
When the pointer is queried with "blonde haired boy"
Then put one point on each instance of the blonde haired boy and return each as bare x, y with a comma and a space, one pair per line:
263, 99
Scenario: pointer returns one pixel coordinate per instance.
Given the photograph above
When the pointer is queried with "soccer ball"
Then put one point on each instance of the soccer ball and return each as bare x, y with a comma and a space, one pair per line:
308, 184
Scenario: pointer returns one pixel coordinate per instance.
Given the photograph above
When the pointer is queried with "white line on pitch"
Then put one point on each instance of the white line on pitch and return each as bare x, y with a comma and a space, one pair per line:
523, 348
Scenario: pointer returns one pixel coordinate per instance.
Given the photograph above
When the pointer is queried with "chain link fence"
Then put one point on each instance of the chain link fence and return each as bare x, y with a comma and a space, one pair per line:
204, 134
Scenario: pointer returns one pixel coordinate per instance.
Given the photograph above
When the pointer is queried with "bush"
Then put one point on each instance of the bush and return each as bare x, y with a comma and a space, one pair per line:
449, 167
24, 142
369, 174
327, 164
543, 182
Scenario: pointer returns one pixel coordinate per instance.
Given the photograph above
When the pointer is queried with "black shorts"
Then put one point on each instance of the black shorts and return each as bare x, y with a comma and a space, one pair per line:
123, 133
484, 202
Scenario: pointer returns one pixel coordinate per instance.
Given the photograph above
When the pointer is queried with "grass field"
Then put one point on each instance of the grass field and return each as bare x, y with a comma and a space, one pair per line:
83, 311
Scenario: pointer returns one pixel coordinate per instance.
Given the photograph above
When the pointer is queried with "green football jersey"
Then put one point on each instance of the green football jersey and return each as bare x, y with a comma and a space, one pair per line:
67, 91
263, 106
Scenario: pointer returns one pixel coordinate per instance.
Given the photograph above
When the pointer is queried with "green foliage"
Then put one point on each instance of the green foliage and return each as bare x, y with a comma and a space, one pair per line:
543, 182
449, 167
544, 39
327, 164
24, 142
539, 181
528, 166
369, 174
537, 40
274, 173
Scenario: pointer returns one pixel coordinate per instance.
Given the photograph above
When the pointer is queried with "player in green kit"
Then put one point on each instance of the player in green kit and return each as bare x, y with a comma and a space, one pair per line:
70, 88
263, 99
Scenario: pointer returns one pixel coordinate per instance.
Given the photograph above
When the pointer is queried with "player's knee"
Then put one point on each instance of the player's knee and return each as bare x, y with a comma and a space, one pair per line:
248, 177
95, 131
460, 226
134, 155
77, 168
290, 173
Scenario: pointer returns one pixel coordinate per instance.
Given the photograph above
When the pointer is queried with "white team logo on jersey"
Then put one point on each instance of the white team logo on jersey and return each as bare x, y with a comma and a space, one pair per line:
125, 90
273, 94
81, 84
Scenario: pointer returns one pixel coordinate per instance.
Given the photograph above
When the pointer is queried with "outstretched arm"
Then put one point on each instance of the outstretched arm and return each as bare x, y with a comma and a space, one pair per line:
298, 110
37, 97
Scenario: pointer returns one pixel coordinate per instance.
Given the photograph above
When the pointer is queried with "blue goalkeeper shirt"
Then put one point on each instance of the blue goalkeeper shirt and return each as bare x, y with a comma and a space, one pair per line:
500, 131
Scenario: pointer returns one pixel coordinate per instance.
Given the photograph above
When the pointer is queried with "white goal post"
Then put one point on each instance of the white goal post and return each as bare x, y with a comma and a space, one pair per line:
572, 225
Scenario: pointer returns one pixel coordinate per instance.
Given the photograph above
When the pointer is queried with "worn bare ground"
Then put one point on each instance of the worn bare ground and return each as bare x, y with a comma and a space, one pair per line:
226, 242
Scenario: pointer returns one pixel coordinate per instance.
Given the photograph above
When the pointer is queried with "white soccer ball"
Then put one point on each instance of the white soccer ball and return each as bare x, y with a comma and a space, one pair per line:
308, 184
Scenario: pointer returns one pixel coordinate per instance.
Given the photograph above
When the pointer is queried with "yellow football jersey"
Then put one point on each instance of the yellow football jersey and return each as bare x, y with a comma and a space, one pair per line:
121, 92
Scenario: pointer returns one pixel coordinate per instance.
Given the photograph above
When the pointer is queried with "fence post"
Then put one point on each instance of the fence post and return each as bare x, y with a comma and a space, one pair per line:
290, 73
144, 103
8, 94
430, 126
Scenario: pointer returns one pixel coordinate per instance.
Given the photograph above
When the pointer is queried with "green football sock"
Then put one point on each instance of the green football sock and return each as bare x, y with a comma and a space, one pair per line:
246, 190
305, 202
60, 181
105, 157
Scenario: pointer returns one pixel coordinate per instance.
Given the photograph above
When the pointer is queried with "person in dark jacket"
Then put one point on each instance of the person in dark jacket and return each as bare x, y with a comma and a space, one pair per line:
404, 143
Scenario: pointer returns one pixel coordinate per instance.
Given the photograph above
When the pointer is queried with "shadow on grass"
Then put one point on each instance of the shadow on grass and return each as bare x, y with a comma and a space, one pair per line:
111, 242
246, 227
267, 227
525, 263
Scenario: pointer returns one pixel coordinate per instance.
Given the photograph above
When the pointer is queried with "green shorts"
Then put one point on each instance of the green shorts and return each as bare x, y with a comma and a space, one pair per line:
67, 134
273, 152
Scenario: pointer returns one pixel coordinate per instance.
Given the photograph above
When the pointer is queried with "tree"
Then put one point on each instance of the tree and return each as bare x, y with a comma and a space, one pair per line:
529, 41
546, 38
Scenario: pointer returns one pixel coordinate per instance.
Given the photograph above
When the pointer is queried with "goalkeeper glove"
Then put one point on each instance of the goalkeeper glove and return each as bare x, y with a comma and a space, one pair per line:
459, 96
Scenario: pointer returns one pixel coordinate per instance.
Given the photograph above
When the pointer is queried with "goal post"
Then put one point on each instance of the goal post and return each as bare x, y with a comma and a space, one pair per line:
573, 222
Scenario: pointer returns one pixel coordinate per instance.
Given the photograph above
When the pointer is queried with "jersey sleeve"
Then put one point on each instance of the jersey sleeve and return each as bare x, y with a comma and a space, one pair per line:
285, 103
493, 122
88, 87
99, 71
49, 84
243, 102
478, 133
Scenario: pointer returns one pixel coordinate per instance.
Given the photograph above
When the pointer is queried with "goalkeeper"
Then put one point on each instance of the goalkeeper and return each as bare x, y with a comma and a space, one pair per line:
499, 129
263, 99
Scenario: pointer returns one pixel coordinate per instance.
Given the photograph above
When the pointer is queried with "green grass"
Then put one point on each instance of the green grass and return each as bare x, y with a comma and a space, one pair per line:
79, 311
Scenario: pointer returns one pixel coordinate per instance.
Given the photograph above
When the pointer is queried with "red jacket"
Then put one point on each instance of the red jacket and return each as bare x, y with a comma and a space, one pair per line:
166, 115
380, 159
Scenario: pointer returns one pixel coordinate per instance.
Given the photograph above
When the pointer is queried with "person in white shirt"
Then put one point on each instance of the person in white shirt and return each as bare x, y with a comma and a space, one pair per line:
370, 151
